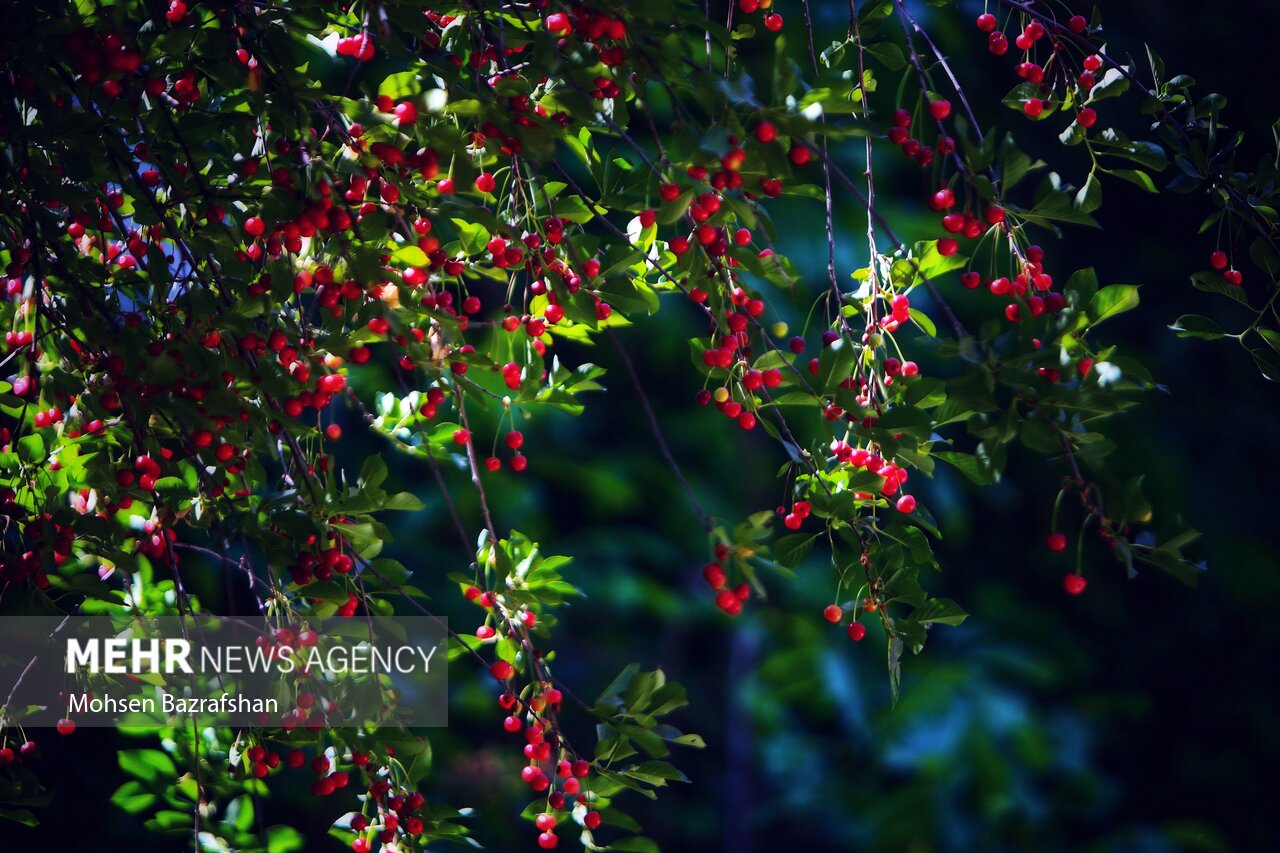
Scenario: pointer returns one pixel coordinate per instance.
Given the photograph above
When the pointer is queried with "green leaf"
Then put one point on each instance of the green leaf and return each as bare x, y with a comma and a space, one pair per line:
474, 236
1212, 282
1171, 563
400, 85
1112, 84
905, 419
405, 501
888, 54
1265, 257
1089, 197
1136, 177
1112, 300
21, 816
133, 798
791, 550
1024, 92
942, 610
1146, 154
977, 470
31, 448
1195, 326
835, 364
922, 320
1267, 364
1058, 206
1014, 163
1084, 283
148, 765
284, 839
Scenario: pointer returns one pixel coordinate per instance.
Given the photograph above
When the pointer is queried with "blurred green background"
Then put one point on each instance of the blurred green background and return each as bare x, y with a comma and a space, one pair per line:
1139, 716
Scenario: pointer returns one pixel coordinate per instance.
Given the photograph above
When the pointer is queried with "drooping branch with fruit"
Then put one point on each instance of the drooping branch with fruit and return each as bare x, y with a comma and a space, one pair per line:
224, 223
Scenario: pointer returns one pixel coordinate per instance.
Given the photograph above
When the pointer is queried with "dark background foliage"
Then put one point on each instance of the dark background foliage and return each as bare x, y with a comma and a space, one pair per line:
1139, 716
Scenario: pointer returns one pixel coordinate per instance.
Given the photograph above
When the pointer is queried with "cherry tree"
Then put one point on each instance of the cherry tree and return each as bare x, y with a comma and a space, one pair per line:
221, 222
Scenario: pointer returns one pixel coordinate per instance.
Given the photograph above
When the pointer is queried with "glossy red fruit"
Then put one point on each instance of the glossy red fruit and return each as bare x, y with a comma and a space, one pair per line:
558, 23
1056, 542
832, 613
1218, 260
986, 22
1074, 584
65, 726
857, 631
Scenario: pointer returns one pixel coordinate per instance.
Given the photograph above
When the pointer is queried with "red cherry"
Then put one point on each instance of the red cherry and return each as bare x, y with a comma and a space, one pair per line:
1233, 277
254, 227
986, 22
1218, 260
1056, 542
714, 575
548, 840
940, 109
773, 22
485, 183
65, 726
906, 504
1033, 108
1077, 24
832, 613
1074, 584
728, 602
502, 670
558, 23
1087, 118
766, 132
857, 631
406, 114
